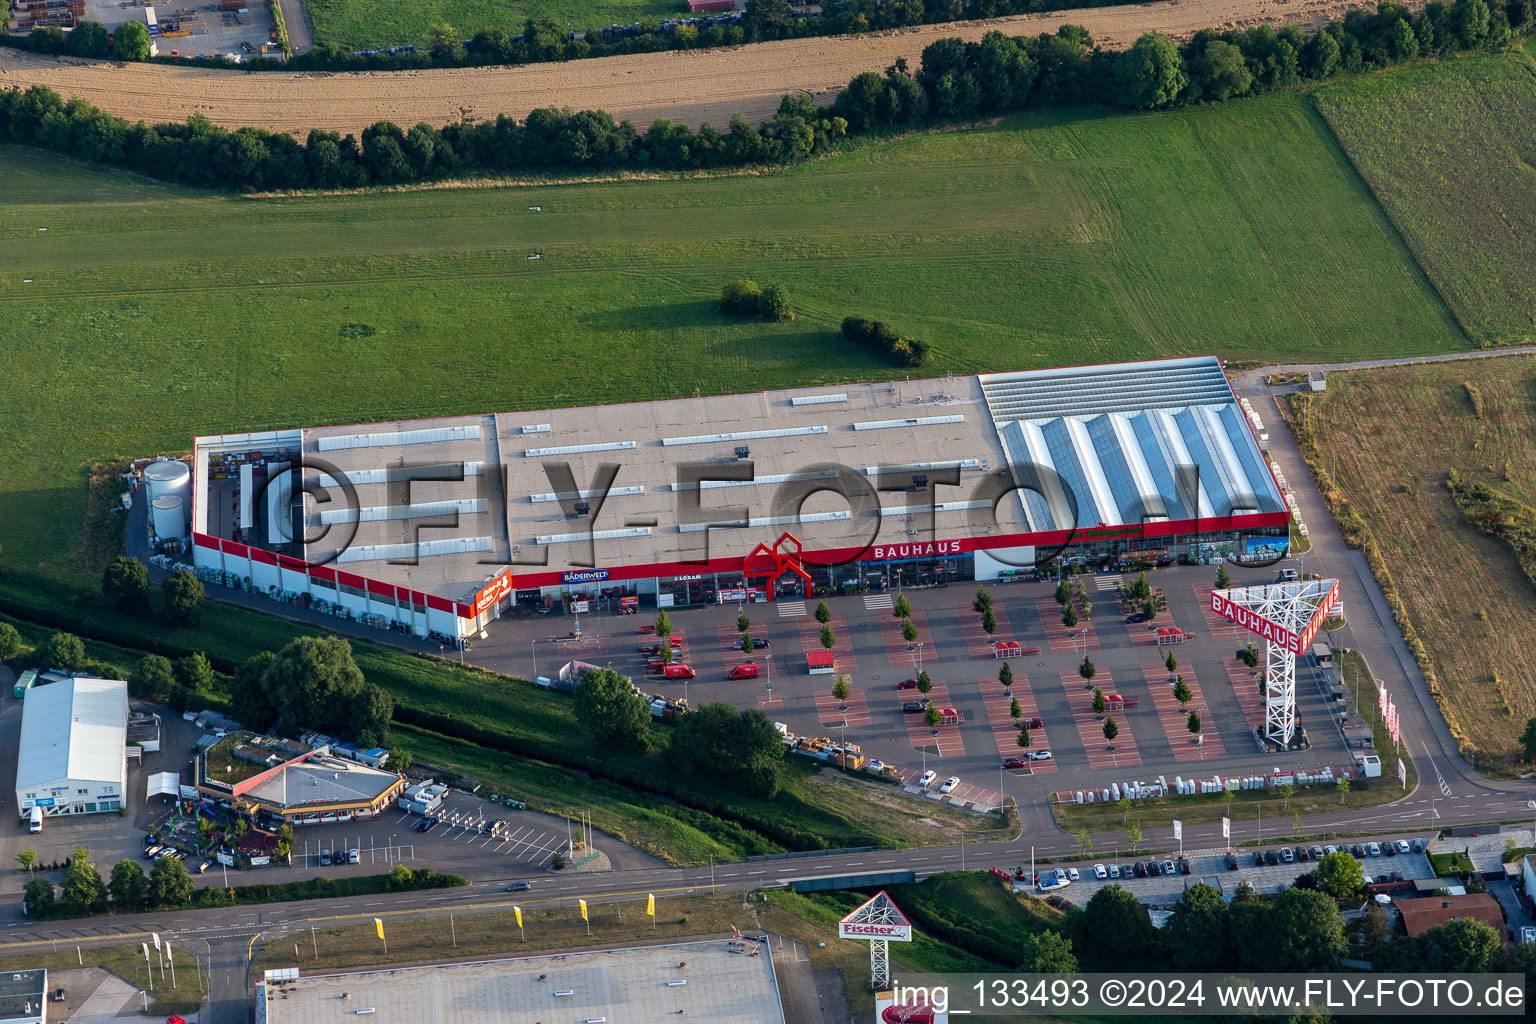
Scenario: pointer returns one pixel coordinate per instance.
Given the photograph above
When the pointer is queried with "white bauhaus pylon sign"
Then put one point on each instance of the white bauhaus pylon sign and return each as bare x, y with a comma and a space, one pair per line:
1287, 616
878, 922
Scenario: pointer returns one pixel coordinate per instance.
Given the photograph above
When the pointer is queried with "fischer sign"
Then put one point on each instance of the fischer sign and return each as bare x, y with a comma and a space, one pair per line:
870, 930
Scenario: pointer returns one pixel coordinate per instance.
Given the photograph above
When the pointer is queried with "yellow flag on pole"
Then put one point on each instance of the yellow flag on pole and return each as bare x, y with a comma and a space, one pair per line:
583, 909
650, 904
378, 925
518, 913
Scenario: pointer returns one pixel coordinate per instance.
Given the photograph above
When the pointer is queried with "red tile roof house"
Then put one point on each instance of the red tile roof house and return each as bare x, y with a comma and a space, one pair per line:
1422, 914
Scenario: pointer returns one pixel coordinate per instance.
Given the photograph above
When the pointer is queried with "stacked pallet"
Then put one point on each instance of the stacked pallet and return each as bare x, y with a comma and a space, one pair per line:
29, 14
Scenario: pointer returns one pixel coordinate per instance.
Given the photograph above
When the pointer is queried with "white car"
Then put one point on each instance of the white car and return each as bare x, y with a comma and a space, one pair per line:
1114, 871
1403, 847
1374, 849
1330, 849
949, 784
1099, 872
1072, 874
1039, 755
876, 767
927, 777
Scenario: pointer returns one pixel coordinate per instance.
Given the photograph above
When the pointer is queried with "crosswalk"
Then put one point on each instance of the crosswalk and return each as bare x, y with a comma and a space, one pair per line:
1106, 582
790, 609
875, 602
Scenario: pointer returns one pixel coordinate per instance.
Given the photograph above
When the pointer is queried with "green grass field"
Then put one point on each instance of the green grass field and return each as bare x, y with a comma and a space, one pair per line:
156, 314
371, 23
1450, 149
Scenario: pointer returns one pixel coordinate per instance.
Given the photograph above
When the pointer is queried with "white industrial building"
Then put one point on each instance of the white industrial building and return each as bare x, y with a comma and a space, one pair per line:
72, 758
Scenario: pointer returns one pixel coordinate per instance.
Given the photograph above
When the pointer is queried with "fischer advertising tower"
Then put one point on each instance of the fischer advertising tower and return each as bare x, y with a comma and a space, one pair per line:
1287, 616
879, 923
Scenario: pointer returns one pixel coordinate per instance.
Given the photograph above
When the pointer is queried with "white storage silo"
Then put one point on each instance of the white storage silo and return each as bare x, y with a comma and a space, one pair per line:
169, 477
169, 517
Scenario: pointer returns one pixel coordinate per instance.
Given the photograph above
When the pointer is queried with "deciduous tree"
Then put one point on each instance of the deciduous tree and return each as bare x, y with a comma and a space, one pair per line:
170, 883
611, 712
131, 41
182, 593
125, 581
129, 887
1196, 932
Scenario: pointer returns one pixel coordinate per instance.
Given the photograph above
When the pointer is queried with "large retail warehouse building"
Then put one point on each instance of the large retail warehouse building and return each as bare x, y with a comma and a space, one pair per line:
438, 525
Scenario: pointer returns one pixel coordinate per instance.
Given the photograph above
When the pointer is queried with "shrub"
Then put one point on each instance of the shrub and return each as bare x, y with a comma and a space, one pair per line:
882, 337
740, 297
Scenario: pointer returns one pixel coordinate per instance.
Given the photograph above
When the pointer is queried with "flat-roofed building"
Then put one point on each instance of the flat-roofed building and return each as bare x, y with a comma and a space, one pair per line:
723, 983
440, 525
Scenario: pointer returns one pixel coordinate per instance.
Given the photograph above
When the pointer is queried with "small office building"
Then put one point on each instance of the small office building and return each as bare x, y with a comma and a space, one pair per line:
71, 758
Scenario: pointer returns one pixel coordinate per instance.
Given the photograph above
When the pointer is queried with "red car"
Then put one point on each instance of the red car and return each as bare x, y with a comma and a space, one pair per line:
1012, 763
1034, 723
907, 684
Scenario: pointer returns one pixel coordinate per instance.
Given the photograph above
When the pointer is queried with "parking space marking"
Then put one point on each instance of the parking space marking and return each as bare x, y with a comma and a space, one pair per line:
1003, 726
730, 636
829, 708
896, 647
1062, 638
1124, 753
842, 641
1175, 720
1218, 626
946, 739
766, 702
1246, 684
977, 643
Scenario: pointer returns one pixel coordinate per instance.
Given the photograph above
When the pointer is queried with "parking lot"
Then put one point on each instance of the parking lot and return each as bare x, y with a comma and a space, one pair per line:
952, 649
1211, 866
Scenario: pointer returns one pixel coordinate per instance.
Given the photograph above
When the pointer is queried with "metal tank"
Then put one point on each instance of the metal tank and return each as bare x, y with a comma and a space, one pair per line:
169, 517
170, 476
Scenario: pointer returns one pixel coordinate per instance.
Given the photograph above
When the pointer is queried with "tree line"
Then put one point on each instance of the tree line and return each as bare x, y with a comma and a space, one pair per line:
956, 80
169, 886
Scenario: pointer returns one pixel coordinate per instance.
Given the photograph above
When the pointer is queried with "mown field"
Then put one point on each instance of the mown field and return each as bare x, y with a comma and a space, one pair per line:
1467, 597
1450, 149
155, 314
360, 24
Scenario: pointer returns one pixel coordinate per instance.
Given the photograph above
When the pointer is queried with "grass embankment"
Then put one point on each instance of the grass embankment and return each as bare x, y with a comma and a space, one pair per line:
127, 962
931, 233
1447, 147
976, 912
1460, 593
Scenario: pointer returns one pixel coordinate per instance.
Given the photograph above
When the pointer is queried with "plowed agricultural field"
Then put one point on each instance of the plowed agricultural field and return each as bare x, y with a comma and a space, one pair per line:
1450, 150
692, 87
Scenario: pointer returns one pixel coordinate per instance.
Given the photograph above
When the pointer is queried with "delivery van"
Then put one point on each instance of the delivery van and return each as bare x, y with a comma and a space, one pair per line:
35, 822
747, 671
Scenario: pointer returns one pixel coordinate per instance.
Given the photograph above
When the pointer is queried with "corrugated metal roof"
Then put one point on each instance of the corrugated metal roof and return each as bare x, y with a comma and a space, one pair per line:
333, 782
1105, 444
75, 729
